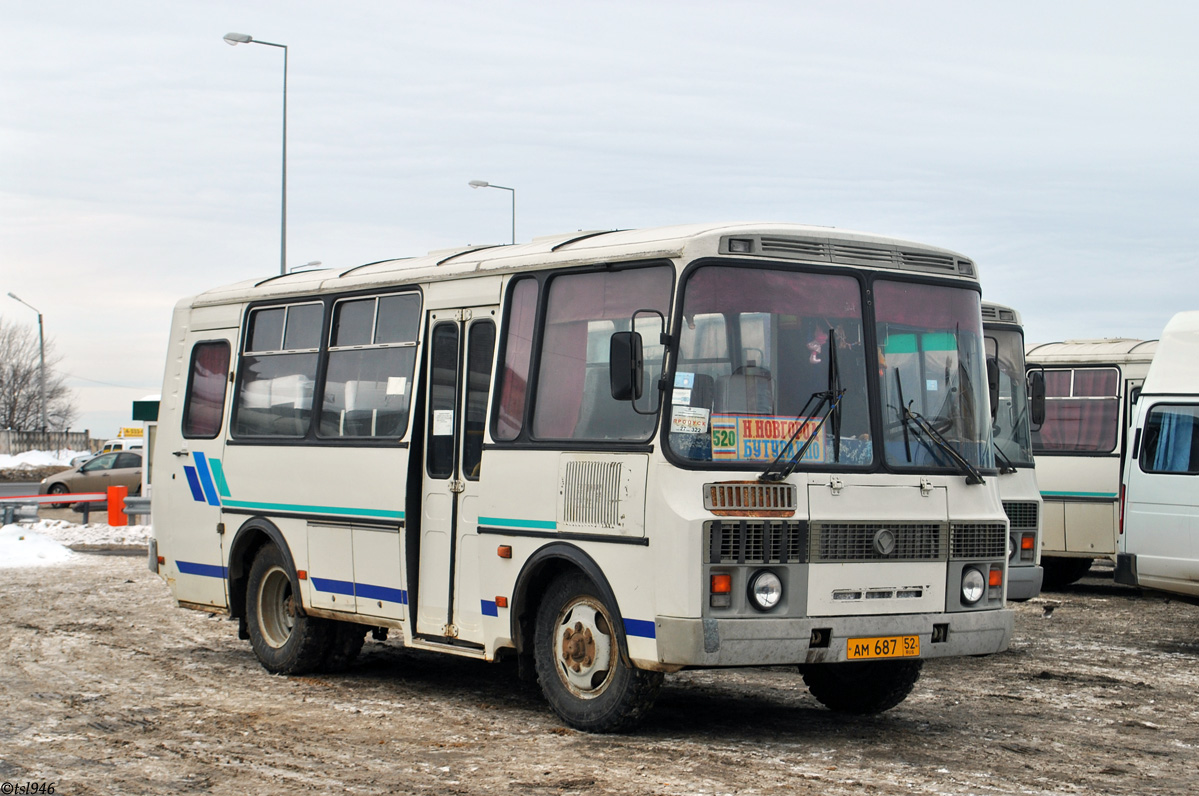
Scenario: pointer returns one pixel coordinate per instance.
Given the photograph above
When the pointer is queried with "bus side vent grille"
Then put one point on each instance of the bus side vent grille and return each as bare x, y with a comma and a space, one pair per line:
978, 540
591, 494
755, 499
795, 247
928, 261
876, 541
1022, 516
756, 541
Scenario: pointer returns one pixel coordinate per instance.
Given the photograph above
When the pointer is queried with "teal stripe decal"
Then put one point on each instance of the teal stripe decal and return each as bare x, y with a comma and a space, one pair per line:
501, 522
296, 507
1109, 495
218, 475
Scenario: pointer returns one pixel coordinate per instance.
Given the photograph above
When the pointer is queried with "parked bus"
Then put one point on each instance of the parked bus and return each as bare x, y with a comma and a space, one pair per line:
1012, 429
1160, 498
612, 455
1090, 387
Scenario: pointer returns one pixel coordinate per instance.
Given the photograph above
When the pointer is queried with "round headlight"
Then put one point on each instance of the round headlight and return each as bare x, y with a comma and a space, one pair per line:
1012, 547
974, 586
765, 590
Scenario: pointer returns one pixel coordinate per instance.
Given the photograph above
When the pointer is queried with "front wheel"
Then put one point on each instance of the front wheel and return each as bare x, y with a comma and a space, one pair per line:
864, 687
58, 489
285, 640
584, 676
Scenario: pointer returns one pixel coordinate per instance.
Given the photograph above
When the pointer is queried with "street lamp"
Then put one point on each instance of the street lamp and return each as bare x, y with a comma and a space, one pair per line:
41, 344
234, 39
485, 184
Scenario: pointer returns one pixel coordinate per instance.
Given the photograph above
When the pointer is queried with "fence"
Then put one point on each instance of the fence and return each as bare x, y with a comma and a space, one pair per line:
14, 442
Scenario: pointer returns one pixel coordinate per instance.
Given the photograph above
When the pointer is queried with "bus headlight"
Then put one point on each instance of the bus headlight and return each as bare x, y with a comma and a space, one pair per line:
974, 586
765, 590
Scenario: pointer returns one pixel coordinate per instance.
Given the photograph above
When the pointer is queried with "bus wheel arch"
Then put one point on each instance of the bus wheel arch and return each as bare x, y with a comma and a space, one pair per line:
247, 540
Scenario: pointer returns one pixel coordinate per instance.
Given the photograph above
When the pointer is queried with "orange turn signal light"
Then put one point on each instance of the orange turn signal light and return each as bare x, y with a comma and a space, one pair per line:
162, 560
996, 578
504, 551
1027, 542
501, 602
722, 584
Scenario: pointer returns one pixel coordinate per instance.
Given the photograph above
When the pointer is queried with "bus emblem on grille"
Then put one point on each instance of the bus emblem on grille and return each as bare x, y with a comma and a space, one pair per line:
884, 542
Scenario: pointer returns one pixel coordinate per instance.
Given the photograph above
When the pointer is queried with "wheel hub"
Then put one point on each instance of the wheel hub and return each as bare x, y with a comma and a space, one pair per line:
578, 647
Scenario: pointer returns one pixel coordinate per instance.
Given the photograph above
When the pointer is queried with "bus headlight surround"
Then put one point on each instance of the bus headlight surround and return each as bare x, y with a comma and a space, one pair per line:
765, 590
974, 586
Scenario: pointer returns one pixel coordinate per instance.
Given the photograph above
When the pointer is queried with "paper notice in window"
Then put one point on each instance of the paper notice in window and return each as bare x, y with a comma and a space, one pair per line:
689, 420
397, 385
443, 422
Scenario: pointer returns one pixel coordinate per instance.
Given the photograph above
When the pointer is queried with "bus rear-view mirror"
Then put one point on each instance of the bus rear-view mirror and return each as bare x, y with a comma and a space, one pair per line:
626, 366
1036, 397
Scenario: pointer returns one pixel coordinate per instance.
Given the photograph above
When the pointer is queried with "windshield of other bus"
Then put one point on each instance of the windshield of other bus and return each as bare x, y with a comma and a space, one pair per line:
754, 359
1011, 428
931, 375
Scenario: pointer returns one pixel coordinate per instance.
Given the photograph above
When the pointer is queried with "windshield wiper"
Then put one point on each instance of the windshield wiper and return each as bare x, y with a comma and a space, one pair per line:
973, 476
1007, 466
830, 396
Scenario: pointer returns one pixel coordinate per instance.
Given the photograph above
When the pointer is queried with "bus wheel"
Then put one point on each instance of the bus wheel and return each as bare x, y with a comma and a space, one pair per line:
345, 642
862, 687
583, 675
1061, 572
284, 639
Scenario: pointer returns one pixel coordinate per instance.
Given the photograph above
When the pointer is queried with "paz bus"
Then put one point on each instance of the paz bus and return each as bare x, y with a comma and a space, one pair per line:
1021, 402
612, 455
1160, 498
1090, 389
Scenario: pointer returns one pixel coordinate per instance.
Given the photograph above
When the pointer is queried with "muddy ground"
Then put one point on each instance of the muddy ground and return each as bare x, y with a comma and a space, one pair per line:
107, 687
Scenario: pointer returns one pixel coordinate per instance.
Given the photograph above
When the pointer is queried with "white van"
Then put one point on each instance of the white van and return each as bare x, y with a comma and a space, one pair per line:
1159, 542
119, 444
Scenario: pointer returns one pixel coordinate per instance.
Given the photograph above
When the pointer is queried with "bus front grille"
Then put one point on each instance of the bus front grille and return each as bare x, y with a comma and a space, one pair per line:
979, 540
1021, 515
756, 541
878, 541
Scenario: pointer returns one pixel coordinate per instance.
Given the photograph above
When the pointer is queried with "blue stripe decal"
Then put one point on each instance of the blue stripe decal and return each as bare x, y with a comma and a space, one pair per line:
380, 514
640, 628
218, 475
501, 522
333, 586
193, 481
381, 593
204, 570
206, 479
1108, 495
489, 608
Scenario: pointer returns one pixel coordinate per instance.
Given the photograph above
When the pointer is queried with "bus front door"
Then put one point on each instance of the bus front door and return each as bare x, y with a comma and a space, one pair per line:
458, 378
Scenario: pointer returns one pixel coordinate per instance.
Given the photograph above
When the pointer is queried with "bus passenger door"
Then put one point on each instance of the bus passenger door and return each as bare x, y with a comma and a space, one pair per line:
461, 349
188, 481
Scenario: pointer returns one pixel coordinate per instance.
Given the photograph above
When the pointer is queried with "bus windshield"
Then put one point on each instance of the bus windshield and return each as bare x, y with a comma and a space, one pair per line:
1011, 428
753, 352
931, 374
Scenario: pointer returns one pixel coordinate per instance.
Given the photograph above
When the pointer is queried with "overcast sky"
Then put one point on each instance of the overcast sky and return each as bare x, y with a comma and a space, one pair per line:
1056, 144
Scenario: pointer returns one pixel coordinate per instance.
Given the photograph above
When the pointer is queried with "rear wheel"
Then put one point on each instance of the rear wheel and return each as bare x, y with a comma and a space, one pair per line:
58, 489
1061, 572
345, 642
863, 687
285, 640
585, 678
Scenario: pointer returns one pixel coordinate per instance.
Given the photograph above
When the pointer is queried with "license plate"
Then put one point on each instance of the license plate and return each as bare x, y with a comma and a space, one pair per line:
860, 649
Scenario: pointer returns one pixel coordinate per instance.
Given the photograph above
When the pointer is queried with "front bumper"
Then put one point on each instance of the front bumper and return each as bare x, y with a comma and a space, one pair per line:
770, 642
1024, 583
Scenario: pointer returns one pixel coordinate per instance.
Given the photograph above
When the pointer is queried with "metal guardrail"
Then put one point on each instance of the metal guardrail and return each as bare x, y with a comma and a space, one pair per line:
137, 506
133, 506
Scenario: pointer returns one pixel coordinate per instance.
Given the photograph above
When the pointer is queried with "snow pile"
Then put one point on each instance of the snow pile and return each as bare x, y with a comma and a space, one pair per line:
20, 547
32, 459
92, 534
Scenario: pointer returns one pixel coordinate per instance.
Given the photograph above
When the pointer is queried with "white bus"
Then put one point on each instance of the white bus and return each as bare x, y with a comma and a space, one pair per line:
1160, 499
1012, 429
611, 454
1090, 388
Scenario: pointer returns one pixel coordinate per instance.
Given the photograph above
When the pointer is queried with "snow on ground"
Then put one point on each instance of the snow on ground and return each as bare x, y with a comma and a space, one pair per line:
31, 459
48, 541
20, 547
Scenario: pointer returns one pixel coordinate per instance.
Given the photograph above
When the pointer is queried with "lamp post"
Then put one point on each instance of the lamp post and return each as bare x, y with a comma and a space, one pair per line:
41, 344
234, 39
485, 184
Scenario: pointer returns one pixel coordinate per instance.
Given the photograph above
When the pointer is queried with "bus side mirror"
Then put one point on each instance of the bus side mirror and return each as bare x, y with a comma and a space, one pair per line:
626, 367
993, 384
1036, 397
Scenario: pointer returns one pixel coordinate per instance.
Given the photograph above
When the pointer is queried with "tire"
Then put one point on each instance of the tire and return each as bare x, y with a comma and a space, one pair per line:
284, 639
58, 489
345, 642
862, 688
579, 651
1061, 572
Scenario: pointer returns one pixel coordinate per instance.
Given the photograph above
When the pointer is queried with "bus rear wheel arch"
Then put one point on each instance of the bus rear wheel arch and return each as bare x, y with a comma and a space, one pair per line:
582, 665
